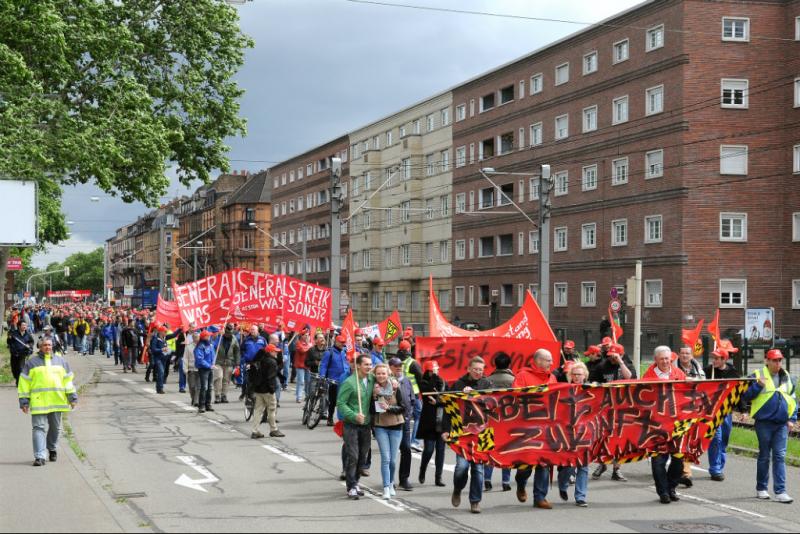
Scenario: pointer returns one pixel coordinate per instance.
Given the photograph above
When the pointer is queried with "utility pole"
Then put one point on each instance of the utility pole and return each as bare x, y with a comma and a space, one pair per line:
637, 319
305, 235
544, 240
336, 236
162, 258
194, 254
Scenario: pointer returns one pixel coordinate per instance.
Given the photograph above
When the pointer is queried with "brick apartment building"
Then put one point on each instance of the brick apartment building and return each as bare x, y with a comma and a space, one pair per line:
301, 212
244, 212
671, 129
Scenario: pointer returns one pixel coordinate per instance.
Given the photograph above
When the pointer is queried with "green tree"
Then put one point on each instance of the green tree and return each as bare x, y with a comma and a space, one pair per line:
107, 91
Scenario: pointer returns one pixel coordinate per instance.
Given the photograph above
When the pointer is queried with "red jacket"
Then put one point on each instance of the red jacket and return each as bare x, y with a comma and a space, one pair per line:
300, 352
674, 374
533, 376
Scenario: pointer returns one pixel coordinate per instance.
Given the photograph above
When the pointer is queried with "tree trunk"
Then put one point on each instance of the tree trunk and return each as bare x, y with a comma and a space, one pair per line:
4, 253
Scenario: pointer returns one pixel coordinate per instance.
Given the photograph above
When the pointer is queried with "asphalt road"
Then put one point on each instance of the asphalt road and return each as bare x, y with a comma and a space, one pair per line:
169, 469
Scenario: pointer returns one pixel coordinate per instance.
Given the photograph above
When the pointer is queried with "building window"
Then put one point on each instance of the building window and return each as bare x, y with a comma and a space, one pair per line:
471, 296
402, 301
461, 249
533, 189
505, 245
654, 164
445, 116
471, 248
655, 38
507, 295
619, 233
533, 242
733, 159
654, 98
562, 183
796, 226
589, 236
486, 198
486, 247
461, 202
389, 138
733, 227
589, 180
415, 127
506, 193
537, 83
735, 29
590, 63
461, 112
521, 136
619, 109
560, 295
653, 229
429, 253
520, 295
484, 295
459, 296
376, 301
589, 119
653, 293
387, 258
430, 165
796, 294
562, 73
536, 134
415, 300
461, 156
506, 94
486, 149
406, 164
534, 289
521, 89
797, 92
732, 293
619, 171
560, 239
429, 123
562, 126
797, 28
444, 158
521, 244
355, 186
405, 254
487, 102
472, 201
444, 205
621, 51
405, 210
796, 165
506, 143
588, 294
521, 191
734, 93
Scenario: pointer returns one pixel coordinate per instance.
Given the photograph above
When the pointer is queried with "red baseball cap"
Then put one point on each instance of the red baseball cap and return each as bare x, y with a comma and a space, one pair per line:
616, 349
205, 334
428, 365
378, 341
341, 339
404, 345
606, 341
569, 344
162, 329
593, 349
358, 332
719, 351
272, 348
774, 354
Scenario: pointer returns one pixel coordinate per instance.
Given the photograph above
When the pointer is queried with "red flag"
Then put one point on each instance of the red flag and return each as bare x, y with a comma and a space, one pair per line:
391, 328
349, 332
168, 312
616, 329
691, 338
713, 329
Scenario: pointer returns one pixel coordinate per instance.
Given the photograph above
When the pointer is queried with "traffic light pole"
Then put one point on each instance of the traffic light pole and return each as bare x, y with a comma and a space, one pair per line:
336, 236
544, 241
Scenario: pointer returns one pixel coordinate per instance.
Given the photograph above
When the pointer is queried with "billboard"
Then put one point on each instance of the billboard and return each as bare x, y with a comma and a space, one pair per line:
14, 264
759, 327
18, 218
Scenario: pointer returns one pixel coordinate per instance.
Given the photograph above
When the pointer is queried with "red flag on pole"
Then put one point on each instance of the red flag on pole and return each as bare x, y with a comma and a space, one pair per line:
349, 332
616, 329
691, 338
391, 327
713, 329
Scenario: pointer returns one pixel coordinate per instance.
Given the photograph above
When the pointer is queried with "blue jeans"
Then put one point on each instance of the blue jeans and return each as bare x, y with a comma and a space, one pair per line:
417, 415
302, 378
581, 481
772, 439
83, 341
109, 348
40, 442
541, 481
465, 469
389, 446
278, 390
181, 375
160, 363
718, 446
206, 378
488, 471
287, 369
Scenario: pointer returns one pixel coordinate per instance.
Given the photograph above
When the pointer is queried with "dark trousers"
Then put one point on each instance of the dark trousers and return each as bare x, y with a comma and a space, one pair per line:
405, 453
17, 363
130, 357
333, 392
206, 377
432, 445
357, 442
160, 363
666, 479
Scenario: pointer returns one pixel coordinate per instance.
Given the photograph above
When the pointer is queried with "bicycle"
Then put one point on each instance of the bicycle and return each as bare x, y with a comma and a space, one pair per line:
317, 401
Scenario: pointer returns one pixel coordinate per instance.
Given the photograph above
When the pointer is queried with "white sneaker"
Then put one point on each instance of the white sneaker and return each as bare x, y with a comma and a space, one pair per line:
387, 493
784, 498
761, 494
392, 491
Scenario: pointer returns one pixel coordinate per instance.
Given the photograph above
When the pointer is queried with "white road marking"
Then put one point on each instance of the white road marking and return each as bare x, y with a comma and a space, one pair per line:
148, 390
112, 373
183, 406
447, 467
393, 504
290, 457
128, 380
229, 428
184, 480
699, 469
719, 504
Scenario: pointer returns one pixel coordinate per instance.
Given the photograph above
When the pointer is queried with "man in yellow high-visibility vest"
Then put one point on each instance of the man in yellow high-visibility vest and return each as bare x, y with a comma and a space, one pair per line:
46, 391
774, 408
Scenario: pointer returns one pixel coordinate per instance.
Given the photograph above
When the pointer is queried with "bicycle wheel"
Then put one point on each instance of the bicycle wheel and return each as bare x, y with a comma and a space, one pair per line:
249, 407
316, 411
307, 407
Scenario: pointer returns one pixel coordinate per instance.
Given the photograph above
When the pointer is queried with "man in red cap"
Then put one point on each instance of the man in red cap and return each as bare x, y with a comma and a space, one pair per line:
262, 381
334, 364
720, 368
159, 355
377, 350
568, 355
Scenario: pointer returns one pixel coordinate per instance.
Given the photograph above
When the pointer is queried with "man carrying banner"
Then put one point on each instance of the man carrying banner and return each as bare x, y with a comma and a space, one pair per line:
537, 375
472, 381
333, 365
774, 408
502, 378
720, 368
666, 480
264, 384
249, 348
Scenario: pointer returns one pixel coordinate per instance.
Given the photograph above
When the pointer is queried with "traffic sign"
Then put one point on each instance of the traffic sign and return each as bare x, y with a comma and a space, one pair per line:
616, 305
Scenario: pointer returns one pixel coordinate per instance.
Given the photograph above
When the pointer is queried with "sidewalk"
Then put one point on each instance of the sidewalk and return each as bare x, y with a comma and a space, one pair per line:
59, 497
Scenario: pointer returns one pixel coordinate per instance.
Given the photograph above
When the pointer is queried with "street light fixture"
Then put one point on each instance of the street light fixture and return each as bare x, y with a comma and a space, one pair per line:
302, 257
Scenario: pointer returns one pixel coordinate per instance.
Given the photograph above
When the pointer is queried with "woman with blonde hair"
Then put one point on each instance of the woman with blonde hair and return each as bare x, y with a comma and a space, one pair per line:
577, 374
387, 409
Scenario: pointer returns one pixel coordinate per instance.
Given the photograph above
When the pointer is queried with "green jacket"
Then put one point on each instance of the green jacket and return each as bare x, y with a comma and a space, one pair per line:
347, 401
233, 355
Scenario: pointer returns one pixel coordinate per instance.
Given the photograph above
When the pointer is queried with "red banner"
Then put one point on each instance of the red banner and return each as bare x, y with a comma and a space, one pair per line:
564, 424
454, 353
14, 264
349, 332
207, 301
306, 303
391, 327
258, 298
70, 294
168, 313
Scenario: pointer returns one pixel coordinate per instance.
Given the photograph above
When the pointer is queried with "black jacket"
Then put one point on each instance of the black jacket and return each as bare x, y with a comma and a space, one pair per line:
459, 385
606, 371
313, 358
263, 373
431, 419
20, 344
728, 372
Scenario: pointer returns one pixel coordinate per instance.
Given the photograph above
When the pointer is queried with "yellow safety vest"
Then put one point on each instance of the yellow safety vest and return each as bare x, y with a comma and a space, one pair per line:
172, 343
411, 378
786, 389
46, 384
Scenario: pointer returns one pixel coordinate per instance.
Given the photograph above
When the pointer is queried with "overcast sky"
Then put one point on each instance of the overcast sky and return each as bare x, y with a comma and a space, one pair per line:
321, 68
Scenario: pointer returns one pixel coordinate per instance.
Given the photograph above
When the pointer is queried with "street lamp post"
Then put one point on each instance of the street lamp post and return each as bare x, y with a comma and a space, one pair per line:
194, 253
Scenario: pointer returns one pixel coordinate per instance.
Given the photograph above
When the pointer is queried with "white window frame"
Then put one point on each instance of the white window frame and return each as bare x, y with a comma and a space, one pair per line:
444, 116
461, 112
461, 202
797, 91
730, 154
733, 82
619, 223
536, 134
461, 157
585, 244
586, 68
559, 232
461, 249
796, 294
745, 38
650, 171
797, 28
588, 302
615, 180
796, 159
617, 46
584, 185
533, 188
649, 47
558, 134
733, 216
533, 242
564, 67
647, 287
653, 218
537, 84
459, 297
729, 282
561, 178
651, 109
521, 244
796, 227
444, 252
558, 301
616, 116
589, 119
405, 254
